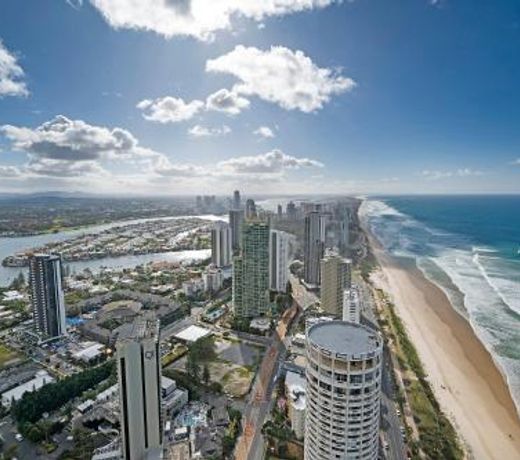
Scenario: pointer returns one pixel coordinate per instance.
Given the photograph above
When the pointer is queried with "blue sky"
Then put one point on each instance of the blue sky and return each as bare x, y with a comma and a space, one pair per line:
278, 96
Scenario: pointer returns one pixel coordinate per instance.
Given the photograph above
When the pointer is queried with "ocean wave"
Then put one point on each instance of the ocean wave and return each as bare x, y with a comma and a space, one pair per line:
480, 284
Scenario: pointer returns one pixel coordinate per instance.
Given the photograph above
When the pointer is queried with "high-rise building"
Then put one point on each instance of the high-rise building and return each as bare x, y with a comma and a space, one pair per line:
291, 210
351, 305
335, 278
251, 271
279, 211
236, 200
221, 250
47, 299
278, 260
139, 373
313, 246
236, 221
343, 375
250, 209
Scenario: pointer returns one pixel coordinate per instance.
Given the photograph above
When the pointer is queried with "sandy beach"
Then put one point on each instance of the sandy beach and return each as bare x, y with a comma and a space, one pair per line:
466, 381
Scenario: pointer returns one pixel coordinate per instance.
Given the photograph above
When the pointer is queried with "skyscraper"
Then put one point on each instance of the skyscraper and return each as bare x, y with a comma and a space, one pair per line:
221, 244
48, 303
250, 209
236, 200
139, 373
278, 260
343, 375
236, 220
251, 271
291, 210
335, 278
313, 246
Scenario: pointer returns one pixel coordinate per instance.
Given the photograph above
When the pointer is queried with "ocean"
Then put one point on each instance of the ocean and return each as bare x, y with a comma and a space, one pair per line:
470, 247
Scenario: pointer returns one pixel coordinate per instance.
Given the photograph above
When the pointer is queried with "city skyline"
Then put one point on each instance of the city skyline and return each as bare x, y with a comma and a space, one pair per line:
93, 99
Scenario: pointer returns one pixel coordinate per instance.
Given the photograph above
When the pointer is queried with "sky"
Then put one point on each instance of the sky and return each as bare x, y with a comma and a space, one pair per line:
174, 97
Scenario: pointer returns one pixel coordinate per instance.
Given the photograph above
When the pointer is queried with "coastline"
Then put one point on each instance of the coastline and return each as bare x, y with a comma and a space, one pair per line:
468, 384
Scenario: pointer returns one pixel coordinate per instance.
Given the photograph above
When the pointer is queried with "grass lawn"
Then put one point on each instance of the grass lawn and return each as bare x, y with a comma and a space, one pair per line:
6, 355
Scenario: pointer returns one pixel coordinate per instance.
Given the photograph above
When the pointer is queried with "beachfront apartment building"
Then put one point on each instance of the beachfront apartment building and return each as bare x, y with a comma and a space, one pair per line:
335, 278
343, 391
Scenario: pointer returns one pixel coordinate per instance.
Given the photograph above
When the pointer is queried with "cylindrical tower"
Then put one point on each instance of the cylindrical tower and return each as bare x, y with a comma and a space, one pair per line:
343, 376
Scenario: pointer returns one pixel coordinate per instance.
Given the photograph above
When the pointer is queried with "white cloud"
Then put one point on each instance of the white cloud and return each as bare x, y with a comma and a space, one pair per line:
164, 167
282, 76
9, 171
437, 175
64, 147
195, 18
226, 101
11, 75
273, 162
516, 162
73, 140
264, 131
203, 131
64, 168
169, 109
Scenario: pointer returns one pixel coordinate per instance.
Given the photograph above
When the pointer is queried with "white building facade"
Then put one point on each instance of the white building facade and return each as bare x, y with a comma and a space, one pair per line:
343, 377
351, 305
221, 251
278, 260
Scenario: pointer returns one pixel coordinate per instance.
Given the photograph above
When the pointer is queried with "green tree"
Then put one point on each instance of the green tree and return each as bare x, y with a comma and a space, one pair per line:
206, 376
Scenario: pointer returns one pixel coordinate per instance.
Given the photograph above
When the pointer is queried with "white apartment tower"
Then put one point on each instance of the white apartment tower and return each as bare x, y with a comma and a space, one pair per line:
221, 251
278, 260
139, 373
351, 305
335, 278
47, 299
343, 377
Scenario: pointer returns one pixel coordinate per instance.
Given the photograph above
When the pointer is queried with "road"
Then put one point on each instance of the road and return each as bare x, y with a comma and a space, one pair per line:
300, 294
390, 423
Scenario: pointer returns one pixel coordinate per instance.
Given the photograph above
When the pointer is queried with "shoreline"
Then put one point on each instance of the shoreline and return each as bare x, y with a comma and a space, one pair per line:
467, 382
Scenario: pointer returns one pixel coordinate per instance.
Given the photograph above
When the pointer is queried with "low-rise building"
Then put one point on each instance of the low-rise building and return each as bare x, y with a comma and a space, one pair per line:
41, 378
173, 398
295, 388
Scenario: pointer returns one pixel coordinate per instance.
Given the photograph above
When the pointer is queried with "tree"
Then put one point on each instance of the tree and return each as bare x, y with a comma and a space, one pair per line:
206, 376
192, 367
10, 452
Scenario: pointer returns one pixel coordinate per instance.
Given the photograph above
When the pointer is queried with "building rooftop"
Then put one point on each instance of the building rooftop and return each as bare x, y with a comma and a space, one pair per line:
345, 338
145, 326
192, 333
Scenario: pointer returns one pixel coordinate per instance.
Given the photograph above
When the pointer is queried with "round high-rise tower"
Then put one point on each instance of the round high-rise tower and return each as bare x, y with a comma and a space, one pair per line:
343, 391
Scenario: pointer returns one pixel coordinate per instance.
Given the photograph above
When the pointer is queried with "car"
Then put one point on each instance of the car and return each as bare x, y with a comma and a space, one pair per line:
18, 437
398, 412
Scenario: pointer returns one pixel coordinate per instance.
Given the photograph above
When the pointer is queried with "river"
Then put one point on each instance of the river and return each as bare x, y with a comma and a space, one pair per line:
12, 245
